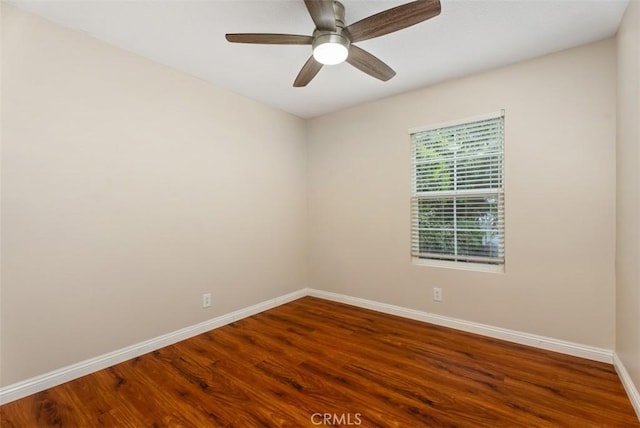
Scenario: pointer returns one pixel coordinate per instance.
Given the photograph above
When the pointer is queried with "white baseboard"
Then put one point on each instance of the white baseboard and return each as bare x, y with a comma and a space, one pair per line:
56, 377
550, 344
48, 380
628, 384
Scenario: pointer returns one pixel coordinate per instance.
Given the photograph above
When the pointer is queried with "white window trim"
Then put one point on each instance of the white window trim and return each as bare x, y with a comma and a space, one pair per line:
452, 264
447, 264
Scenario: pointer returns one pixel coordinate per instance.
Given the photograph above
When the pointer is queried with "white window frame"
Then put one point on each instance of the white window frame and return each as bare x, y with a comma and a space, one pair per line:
463, 262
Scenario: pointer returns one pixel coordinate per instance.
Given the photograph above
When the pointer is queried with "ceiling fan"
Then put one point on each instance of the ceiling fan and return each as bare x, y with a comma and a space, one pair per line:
332, 41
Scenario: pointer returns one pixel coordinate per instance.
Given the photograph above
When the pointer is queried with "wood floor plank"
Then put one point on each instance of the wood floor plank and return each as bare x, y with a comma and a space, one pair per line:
223, 388
313, 362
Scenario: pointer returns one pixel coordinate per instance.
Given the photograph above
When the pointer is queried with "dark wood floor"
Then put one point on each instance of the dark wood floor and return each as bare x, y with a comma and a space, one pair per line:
313, 363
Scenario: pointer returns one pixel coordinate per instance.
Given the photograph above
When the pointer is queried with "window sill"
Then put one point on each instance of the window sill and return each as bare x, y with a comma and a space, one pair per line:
476, 267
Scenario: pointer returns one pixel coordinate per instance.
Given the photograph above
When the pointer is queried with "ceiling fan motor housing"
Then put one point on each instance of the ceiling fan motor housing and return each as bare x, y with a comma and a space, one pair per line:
339, 36
322, 37
338, 9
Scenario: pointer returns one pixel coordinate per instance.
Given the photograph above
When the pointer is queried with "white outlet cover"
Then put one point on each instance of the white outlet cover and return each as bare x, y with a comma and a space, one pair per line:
206, 300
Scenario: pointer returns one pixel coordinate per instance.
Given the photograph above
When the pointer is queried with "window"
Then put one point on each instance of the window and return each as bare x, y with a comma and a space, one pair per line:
457, 202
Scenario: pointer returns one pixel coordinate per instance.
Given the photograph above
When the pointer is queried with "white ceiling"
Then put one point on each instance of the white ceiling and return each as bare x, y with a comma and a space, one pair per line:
469, 36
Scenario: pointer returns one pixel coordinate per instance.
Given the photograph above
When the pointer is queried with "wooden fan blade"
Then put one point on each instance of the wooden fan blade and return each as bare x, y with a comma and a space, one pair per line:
322, 13
364, 61
269, 39
308, 72
393, 19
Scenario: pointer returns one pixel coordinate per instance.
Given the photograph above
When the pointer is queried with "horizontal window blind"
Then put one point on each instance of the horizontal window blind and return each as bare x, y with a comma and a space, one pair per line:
458, 192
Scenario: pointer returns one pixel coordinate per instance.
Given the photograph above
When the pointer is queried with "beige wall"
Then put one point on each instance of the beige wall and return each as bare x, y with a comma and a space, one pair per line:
560, 198
128, 190
628, 212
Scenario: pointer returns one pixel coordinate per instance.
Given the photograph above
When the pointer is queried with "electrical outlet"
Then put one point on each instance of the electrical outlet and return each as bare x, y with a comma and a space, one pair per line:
206, 300
437, 294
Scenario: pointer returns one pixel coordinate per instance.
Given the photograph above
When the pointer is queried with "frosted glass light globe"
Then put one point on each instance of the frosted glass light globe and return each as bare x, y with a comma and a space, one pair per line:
330, 48
330, 53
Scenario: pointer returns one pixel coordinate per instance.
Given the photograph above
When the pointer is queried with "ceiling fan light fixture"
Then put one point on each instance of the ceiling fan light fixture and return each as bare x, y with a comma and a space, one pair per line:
330, 49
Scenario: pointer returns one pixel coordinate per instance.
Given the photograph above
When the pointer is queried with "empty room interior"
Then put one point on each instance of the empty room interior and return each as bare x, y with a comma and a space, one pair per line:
320, 213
